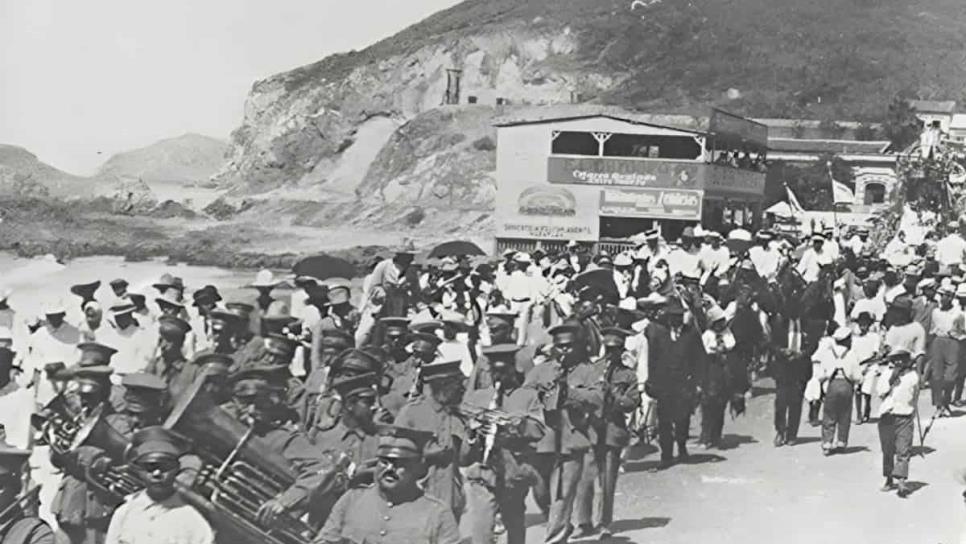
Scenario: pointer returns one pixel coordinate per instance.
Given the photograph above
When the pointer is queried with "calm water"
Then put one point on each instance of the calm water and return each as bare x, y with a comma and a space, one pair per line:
37, 281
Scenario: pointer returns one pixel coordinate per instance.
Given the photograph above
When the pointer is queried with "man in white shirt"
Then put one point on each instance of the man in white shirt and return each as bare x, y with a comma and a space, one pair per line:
135, 344
814, 258
686, 259
858, 240
831, 244
715, 256
519, 289
653, 251
951, 250
765, 258
899, 395
866, 345
895, 250
871, 303
157, 513
55, 342
839, 373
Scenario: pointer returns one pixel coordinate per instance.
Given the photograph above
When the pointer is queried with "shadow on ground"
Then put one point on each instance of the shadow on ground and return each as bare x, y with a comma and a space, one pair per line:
733, 441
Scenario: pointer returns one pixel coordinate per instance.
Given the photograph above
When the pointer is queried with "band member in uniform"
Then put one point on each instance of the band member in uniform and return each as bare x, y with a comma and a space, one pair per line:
570, 389
395, 333
17, 526
675, 358
258, 399
82, 512
331, 343
609, 435
353, 439
322, 411
438, 412
157, 513
170, 362
395, 509
502, 471
407, 378
900, 396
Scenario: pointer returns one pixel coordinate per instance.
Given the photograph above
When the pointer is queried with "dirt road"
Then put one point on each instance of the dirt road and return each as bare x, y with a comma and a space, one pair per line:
751, 492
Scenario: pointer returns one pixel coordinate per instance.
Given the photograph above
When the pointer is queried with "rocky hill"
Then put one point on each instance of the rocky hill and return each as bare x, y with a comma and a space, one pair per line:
189, 158
368, 127
23, 174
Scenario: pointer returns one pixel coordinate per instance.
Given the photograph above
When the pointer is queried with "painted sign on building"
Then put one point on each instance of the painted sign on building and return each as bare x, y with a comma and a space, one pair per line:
727, 179
624, 172
652, 203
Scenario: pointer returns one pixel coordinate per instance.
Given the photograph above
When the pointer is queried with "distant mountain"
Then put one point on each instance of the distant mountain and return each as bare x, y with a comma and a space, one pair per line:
190, 158
23, 174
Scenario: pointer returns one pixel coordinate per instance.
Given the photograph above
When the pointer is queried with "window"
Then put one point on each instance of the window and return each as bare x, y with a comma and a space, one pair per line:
575, 143
471, 99
874, 193
642, 145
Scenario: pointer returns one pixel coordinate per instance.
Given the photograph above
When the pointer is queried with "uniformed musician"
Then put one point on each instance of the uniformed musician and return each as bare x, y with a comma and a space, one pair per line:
17, 525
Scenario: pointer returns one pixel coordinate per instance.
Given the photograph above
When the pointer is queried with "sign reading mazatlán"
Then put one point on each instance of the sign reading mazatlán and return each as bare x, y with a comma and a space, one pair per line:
655, 203
554, 232
626, 172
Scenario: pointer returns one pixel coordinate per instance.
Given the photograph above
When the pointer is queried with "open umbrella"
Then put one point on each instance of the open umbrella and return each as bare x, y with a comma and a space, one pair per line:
455, 248
323, 267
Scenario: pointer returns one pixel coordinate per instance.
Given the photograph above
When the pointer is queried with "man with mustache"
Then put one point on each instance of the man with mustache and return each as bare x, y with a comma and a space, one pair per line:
394, 509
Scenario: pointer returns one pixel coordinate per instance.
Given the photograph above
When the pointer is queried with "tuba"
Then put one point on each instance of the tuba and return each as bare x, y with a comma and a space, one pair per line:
57, 423
116, 482
239, 472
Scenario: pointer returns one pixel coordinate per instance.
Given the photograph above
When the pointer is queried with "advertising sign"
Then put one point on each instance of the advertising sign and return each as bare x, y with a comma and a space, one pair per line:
625, 172
725, 179
547, 212
652, 203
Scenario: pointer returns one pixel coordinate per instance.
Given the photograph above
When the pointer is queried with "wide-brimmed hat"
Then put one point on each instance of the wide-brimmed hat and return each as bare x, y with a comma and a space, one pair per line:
265, 279
169, 298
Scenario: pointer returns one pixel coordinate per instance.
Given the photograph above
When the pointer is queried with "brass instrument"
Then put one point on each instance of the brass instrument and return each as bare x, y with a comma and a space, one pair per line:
239, 473
116, 481
493, 417
57, 424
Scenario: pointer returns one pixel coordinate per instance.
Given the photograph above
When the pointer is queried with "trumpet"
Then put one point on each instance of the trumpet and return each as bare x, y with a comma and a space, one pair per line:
57, 424
488, 416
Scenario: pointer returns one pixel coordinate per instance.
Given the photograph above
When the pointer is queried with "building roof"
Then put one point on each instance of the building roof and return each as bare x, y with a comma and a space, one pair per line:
572, 112
793, 145
959, 121
933, 106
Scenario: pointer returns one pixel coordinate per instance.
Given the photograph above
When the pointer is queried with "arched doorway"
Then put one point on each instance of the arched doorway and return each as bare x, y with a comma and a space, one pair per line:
875, 193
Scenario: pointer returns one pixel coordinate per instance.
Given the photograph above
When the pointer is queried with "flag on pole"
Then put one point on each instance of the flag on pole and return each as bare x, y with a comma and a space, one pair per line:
793, 202
841, 194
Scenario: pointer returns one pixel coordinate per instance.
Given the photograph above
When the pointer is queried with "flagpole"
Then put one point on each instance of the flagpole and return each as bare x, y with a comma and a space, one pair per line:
835, 211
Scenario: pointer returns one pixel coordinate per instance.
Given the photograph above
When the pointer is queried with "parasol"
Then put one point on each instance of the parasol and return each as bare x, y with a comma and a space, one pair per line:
455, 248
324, 267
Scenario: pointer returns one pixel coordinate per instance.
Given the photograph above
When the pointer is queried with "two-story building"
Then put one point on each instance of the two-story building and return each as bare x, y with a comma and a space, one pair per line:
602, 177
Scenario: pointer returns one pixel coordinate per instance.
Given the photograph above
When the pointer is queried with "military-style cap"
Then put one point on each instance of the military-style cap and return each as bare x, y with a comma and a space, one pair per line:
350, 386
395, 326
12, 459
428, 327
280, 345
358, 360
401, 442
95, 354
241, 309
142, 392
155, 441
438, 371
614, 337
172, 327
500, 318
424, 340
91, 379
564, 328
213, 364
208, 293
337, 338
223, 319
500, 350
85, 290
256, 379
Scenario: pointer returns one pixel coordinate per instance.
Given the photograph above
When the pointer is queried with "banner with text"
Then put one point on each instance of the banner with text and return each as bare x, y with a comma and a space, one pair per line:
652, 203
627, 172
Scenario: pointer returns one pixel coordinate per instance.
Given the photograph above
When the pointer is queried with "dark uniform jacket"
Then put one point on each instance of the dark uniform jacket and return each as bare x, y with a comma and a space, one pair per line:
365, 515
510, 460
27, 530
621, 396
583, 396
673, 365
444, 451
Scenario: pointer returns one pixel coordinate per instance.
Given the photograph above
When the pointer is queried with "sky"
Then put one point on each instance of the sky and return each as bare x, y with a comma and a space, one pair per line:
81, 80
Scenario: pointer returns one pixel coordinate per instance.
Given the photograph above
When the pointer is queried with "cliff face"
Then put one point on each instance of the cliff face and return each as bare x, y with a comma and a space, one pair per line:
370, 128
23, 174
